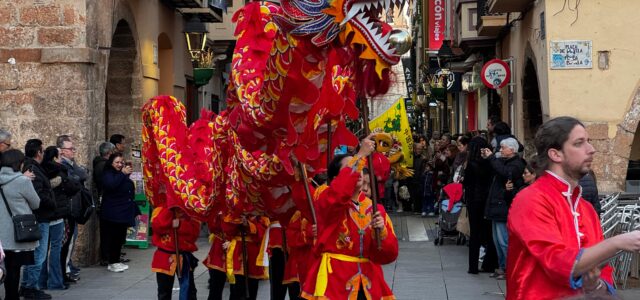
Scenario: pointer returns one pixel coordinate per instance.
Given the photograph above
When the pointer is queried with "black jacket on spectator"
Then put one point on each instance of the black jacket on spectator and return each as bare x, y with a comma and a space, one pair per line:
590, 191
477, 180
98, 170
117, 198
76, 172
63, 192
499, 199
46, 212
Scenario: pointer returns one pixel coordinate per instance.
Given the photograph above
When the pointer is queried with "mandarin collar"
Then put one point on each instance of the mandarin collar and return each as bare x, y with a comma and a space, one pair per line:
563, 186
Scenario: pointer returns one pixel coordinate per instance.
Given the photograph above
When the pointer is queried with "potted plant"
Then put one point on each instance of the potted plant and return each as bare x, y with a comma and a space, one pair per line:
203, 71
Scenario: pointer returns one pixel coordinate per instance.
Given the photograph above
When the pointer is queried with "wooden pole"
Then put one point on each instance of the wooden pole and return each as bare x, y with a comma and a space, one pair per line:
245, 260
372, 176
303, 173
329, 148
176, 244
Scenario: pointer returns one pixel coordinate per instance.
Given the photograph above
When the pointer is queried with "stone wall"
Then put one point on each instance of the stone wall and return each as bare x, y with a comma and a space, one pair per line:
613, 147
54, 84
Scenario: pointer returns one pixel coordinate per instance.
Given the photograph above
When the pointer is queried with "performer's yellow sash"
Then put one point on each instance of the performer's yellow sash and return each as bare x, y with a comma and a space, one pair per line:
232, 247
230, 265
325, 269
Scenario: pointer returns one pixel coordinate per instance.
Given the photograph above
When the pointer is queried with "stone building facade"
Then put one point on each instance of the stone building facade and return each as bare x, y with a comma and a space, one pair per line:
85, 68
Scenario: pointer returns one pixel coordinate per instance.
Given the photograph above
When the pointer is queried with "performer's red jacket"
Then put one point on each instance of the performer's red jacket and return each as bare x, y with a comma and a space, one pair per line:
216, 258
164, 258
254, 234
300, 248
546, 240
348, 257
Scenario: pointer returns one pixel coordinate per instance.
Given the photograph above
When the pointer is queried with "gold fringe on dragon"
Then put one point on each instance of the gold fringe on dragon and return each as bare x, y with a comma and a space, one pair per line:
297, 66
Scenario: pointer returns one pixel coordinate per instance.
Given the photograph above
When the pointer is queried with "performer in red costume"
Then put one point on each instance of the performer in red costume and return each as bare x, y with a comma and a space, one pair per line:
165, 223
254, 228
272, 255
300, 246
348, 263
556, 248
216, 259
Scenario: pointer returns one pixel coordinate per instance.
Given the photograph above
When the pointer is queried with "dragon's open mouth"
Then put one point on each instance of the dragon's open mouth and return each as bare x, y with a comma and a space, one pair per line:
365, 15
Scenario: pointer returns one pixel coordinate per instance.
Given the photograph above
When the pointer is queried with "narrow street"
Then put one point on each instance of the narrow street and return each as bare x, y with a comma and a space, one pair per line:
422, 271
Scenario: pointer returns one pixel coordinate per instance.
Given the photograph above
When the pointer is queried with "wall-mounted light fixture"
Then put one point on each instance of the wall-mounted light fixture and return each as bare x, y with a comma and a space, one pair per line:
196, 34
603, 60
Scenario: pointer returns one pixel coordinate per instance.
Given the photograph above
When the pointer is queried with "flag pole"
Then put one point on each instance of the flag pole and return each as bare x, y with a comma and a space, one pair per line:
372, 177
303, 173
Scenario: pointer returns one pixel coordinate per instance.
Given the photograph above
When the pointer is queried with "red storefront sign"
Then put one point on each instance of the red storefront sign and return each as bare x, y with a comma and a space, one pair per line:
437, 23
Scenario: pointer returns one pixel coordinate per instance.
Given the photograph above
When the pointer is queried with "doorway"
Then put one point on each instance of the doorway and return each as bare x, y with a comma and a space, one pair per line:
532, 108
120, 113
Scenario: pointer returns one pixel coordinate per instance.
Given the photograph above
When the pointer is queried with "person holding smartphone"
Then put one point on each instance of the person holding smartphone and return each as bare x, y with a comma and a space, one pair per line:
499, 199
118, 208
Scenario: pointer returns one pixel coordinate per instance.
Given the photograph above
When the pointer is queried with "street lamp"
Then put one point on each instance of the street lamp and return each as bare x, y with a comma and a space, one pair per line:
196, 34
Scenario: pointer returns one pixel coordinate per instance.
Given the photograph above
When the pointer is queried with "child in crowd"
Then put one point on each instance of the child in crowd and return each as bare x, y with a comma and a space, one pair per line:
428, 197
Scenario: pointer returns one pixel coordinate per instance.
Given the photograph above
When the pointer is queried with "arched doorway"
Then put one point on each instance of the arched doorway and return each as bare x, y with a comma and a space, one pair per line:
119, 93
626, 134
531, 106
165, 65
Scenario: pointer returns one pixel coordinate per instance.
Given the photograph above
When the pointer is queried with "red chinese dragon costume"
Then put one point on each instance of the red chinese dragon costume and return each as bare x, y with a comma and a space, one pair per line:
298, 68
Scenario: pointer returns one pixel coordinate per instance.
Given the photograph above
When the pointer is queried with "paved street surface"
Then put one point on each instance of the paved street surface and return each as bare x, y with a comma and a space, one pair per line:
422, 271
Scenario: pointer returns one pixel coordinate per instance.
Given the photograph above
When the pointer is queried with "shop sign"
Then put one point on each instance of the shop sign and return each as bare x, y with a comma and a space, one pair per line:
409, 65
495, 74
437, 23
448, 75
570, 55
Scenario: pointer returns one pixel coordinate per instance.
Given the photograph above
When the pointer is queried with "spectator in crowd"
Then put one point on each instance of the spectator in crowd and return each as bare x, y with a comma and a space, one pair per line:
589, 186
45, 214
458, 162
5, 144
79, 175
21, 198
63, 190
118, 141
428, 196
491, 123
502, 131
445, 140
507, 169
556, 246
99, 162
434, 143
5, 140
529, 176
118, 208
416, 184
476, 183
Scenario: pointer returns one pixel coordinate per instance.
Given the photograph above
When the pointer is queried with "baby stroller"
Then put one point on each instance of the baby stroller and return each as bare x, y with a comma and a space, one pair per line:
448, 218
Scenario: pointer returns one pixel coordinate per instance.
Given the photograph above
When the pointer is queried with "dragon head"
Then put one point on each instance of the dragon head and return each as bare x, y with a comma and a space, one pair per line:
353, 22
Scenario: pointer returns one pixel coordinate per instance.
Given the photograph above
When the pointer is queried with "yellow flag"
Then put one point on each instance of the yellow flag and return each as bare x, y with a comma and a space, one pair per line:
395, 121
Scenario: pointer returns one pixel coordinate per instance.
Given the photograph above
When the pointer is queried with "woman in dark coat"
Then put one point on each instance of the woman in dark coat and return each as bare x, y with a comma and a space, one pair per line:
63, 189
477, 179
118, 208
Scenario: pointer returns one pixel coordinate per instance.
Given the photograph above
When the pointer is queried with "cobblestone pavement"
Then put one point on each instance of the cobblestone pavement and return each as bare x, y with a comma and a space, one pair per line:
422, 271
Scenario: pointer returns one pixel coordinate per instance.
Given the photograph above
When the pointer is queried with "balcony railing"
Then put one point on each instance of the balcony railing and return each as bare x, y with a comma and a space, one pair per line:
505, 6
489, 24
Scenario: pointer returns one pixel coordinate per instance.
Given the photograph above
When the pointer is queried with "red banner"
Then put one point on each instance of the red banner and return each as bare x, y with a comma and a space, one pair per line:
437, 23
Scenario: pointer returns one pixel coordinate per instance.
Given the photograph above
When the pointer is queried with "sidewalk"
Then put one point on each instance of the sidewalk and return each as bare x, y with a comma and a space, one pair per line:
422, 271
